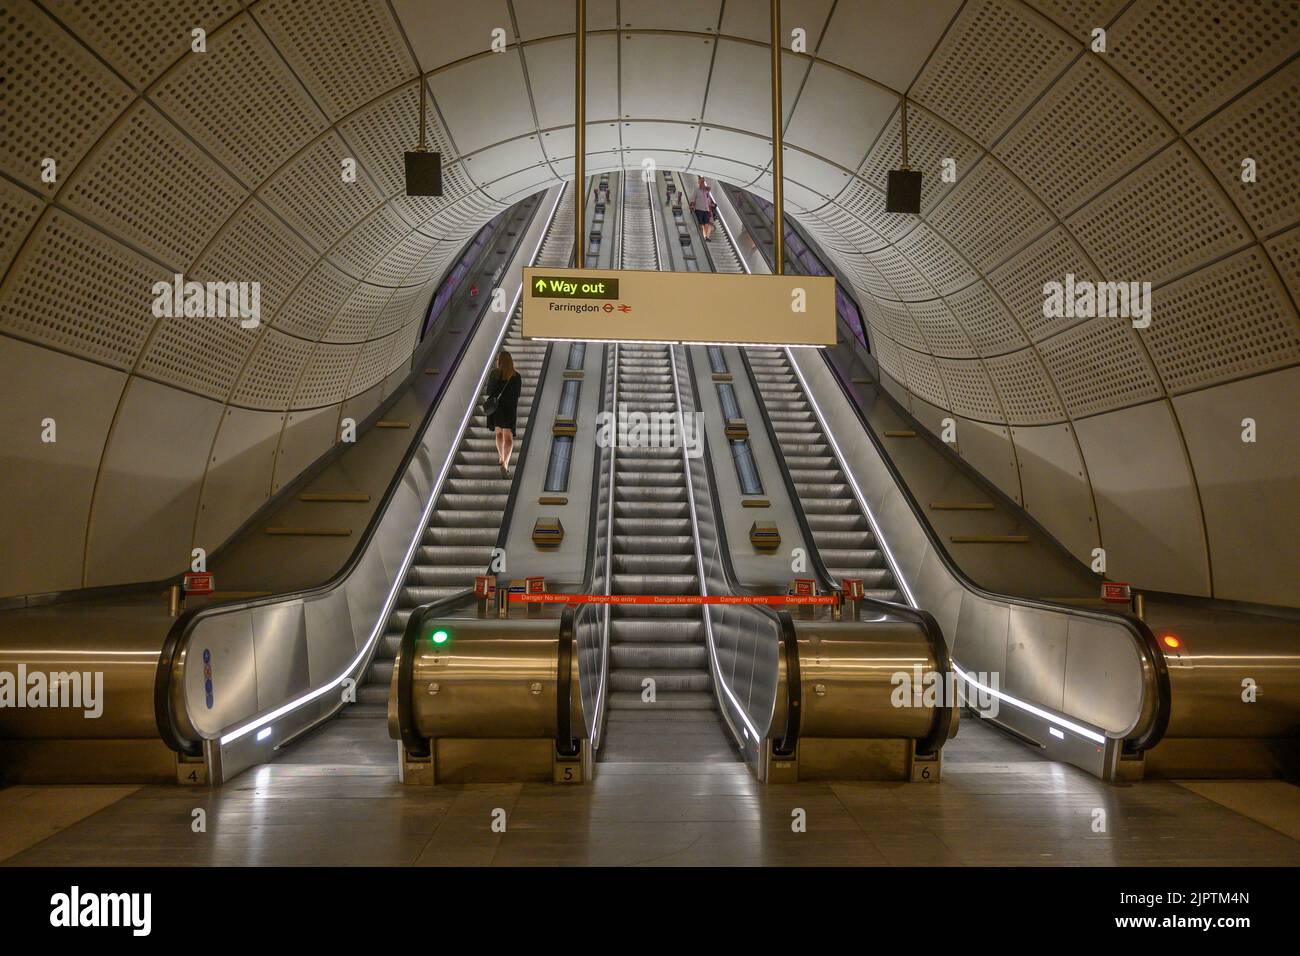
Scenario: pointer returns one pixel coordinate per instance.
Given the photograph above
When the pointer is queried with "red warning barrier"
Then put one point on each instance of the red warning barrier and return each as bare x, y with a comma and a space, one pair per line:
777, 599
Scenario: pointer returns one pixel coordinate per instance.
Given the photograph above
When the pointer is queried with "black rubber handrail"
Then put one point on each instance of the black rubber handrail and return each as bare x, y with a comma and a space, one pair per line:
1145, 638
565, 743
412, 743
789, 740
929, 626
163, 715
785, 622
923, 619
569, 616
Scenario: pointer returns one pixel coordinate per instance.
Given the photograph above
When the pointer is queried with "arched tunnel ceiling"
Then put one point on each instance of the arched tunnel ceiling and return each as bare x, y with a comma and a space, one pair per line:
226, 164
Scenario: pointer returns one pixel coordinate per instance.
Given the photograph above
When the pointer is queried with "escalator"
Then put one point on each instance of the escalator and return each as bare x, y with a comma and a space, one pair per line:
721, 685
1009, 597
841, 532
658, 657
466, 519
462, 531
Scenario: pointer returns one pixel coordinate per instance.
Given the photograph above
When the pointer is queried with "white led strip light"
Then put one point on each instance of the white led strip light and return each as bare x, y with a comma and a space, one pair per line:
400, 578
1030, 708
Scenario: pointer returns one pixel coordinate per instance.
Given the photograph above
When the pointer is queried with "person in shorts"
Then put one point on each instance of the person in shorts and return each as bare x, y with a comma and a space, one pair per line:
704, 206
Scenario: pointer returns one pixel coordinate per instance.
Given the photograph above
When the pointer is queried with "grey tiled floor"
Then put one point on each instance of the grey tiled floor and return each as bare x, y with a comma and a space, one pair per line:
335, 800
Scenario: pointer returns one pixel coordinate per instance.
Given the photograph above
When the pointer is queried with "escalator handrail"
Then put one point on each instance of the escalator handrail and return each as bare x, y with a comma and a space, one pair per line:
784, 620
569, 616
923, 619
1143, 637
564, 742
929, 626
412, 743
188, 620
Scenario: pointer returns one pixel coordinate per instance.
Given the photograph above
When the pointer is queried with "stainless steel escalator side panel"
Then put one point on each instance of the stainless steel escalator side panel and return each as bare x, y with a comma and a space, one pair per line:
742, 243
745, 652
1081, 705
242, 705
591, 622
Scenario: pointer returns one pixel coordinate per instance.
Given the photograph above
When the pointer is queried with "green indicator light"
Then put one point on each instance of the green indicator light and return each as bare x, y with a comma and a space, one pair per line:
441, 637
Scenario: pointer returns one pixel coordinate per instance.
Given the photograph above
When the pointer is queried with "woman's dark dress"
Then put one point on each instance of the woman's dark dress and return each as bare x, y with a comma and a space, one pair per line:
507, 402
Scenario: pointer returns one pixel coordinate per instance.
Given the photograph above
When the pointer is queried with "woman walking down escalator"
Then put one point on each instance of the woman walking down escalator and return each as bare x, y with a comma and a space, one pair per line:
502, 406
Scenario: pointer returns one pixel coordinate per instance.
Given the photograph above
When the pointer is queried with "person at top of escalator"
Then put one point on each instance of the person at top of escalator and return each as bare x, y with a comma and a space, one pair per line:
502, 406
704, 206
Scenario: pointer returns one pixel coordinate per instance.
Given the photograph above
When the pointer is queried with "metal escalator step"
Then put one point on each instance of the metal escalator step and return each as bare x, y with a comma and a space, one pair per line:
825, 506
629, 479
365, 711
658, 656
858, 558
652, 494
469, 502
442, 574
844, 541
463, 535
838, 522
646, 629
632, 563
651, 509
653, 543
413, 595
373, 694
877, 578
665, 681
477, 555
445, 517
671, 525
653, 612
684, 700
655, 583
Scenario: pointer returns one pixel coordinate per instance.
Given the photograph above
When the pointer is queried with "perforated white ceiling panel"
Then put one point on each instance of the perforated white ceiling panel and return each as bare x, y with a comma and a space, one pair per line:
1041, 158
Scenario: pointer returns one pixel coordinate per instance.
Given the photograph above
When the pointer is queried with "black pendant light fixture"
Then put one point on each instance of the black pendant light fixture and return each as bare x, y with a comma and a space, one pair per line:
903, 188
423, 168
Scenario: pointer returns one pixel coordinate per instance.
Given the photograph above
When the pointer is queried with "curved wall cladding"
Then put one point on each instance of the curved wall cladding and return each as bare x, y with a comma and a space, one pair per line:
226, 166
1042, 160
